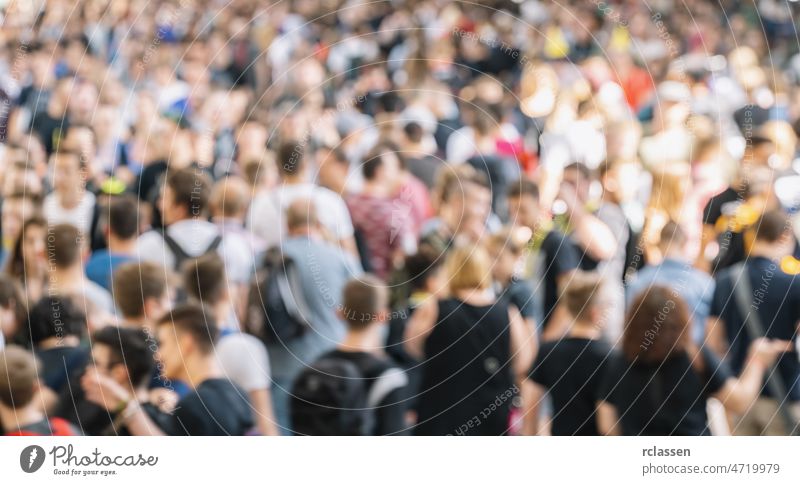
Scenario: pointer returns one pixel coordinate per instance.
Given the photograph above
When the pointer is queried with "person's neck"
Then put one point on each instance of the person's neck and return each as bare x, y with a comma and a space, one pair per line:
361, 340
674, 256
303, 232
761, 250
297, 179
59, 341
375, 188
198, 369
477, 296
121, 246
222, 312
586, 330
339, 186
15, 419
141, 322
67, 279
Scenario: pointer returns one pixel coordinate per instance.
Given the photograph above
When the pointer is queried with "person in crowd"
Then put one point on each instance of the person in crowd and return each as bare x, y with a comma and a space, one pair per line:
183, 207
56, 328
21, 399
364, 310
141, 294
774, 297
27, 265
552, 256
267, 210
676, 272
242, 357
10, 302
214, 406
323, 268
125, 355
571, 368
121, 229
70, 202
66, 249
660, 382
383, 222
473, 348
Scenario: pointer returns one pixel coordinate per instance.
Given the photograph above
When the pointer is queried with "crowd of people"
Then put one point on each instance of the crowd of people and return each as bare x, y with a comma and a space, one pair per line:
431, 217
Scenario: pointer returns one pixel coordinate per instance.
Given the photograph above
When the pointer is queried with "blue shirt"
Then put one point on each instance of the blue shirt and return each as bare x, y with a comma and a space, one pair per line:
692, 285
100, 267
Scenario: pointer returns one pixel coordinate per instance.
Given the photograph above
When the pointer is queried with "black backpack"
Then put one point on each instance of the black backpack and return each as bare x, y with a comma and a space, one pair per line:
333, 398
277, 310
181, 255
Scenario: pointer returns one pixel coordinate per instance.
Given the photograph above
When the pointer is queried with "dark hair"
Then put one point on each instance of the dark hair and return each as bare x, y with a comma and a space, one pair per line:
204, 278
374, 159
9, 294
129, 347
657, 326
291, 158
413, 131
523, 186
134, 283
16, 260
421, 265
772, 226
55, 316
123, 216
190, 188
64, 242
193, 319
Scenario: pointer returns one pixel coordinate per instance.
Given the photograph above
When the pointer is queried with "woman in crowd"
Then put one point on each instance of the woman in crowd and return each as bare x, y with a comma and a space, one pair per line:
474, 350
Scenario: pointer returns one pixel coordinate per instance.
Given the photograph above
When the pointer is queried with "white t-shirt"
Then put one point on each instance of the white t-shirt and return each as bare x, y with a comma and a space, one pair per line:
267, 213
194, 236
243, 359
80, 216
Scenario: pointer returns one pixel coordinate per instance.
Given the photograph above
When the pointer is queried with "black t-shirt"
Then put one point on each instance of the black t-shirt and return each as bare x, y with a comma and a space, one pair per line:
390, 411
520, 294
664, 399
560, 255
60, 364
571, 369
716, 213
217, 407
776, 298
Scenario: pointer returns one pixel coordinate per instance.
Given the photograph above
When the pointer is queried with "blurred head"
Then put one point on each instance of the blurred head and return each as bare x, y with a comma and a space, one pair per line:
122, 217
656, 327
291, 160
204, 279
523, 203
301, 217
230, 199
672, 241
56, 317
772, 233
620, 179
580, 177
468, 268
507, 249
9, 299
333, 168
383, 166
29, 248
65, 246
141, 291
19, 377
186, 334
124, 354
466, 202
365, 302
67, 169
423, 270
586, 298
185, 195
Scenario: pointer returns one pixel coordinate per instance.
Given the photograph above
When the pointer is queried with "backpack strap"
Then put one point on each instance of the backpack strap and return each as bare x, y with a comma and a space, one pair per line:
177, 251
389, 381
743, 294
214, 244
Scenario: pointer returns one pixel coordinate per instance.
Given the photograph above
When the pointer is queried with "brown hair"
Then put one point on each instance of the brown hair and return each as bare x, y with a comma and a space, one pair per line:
19, 372
192, 319
230, 197
772, 226
582, 293
204, 278
656, 327
64, 244
16, 261
134, 283
190, 189
363, 300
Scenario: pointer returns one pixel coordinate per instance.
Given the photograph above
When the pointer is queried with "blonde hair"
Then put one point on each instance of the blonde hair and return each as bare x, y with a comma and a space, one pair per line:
468, 268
